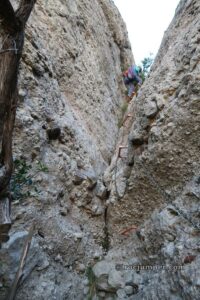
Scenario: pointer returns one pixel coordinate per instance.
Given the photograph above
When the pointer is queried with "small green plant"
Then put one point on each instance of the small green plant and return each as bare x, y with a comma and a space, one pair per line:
42, 167
105, 242
92, 282
19, 179
124, 108
22, 181
146, 65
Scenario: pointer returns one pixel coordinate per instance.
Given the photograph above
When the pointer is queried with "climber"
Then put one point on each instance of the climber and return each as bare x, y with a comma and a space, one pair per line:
132, 79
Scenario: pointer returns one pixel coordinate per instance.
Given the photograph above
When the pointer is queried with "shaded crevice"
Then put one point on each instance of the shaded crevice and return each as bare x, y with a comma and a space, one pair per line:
106, 238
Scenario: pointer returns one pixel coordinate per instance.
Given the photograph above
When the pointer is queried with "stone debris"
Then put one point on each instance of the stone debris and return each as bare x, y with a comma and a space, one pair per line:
94, 211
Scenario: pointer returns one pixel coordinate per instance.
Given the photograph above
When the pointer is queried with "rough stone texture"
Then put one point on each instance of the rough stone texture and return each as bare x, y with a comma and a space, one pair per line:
144, 207
164, 137
70, 94
161, 260
11, 253
159, 178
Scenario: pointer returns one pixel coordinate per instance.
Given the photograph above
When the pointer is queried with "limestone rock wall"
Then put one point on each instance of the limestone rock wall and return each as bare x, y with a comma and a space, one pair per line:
153, 209
163, 136
70, 95
100, 219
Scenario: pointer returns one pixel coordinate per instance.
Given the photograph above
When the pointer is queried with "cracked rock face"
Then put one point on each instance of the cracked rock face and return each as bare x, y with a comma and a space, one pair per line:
154, 225
106, 227
70, 94
163, 139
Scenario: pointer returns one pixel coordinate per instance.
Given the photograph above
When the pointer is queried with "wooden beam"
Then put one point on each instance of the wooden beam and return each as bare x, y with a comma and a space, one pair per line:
12, 33
24, 10
19, 275
7, 16
5, 221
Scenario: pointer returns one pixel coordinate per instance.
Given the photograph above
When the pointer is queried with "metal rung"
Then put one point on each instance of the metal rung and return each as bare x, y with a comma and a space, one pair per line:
119, 151
126, 118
